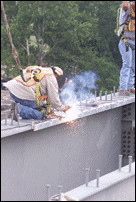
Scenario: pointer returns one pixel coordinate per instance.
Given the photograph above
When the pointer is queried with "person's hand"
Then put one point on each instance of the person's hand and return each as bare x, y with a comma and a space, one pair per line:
66, 108
43, 97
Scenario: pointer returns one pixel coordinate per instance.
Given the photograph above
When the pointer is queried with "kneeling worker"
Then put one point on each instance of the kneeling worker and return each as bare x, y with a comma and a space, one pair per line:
42, 83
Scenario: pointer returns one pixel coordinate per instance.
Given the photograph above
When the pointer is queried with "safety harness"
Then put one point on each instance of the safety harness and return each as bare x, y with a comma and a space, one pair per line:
127, 27
47, 108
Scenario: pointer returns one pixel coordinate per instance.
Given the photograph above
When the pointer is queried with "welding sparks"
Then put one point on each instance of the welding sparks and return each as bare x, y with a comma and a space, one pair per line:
72, 113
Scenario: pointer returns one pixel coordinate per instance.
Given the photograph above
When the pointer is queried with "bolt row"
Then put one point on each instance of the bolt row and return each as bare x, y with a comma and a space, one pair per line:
87, 177
12, 119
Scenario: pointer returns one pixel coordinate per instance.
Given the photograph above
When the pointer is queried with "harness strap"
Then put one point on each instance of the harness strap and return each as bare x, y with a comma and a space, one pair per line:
126, 42
127, 22
38, 100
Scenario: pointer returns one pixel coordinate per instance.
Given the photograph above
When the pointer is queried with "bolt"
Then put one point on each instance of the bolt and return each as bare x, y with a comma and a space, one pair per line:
48, 191
18, 119
5, 119
11, 119
111, 95
106, 95
130, 161
120, 162
59, 187
86, 176
114, 90
97, 177
100, 95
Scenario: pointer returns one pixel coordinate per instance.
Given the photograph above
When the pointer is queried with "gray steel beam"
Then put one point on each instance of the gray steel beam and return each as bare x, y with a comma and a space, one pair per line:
58, 151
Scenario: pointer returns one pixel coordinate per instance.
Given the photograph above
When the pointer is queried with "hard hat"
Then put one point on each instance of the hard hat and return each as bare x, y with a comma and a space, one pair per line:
58, 71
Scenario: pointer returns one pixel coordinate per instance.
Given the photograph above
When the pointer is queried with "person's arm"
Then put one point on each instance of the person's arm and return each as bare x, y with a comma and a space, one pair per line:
125, 5
53, 95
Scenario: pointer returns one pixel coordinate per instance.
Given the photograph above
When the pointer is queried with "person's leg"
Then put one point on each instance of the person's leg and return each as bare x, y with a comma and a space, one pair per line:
27, 108
27, 103
29, 113
126, 65
131, 80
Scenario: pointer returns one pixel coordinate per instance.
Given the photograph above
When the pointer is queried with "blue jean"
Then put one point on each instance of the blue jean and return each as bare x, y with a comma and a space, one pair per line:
127, 72
27, 109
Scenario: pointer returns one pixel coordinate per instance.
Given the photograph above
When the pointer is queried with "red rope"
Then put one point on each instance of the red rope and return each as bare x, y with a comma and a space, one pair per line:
10, 38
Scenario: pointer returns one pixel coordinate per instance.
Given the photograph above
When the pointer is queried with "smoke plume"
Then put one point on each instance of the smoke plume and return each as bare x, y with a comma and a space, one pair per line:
79, 88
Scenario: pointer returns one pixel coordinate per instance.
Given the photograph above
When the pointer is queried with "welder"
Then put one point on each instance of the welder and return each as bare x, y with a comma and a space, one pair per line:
35, 97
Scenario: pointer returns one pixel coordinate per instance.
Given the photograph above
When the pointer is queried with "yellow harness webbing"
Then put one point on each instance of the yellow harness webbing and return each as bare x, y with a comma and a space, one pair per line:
38, 95
126, 27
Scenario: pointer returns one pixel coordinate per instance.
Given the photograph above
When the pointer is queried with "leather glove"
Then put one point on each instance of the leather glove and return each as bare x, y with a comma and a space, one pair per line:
66, 108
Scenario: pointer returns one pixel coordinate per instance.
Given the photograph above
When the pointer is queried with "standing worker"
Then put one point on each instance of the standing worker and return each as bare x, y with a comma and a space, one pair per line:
42, 83
126, 33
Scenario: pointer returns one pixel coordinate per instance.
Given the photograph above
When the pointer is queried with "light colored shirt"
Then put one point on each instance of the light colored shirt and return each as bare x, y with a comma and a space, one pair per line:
48, 86
122, 18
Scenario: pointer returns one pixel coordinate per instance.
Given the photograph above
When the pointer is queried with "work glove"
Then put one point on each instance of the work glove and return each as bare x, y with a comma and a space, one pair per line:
66, 108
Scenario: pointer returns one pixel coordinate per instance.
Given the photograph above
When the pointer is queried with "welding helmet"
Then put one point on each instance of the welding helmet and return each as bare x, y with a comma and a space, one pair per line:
61, 75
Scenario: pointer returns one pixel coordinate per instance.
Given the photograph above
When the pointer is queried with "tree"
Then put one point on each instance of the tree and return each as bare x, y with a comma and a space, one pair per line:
64, 33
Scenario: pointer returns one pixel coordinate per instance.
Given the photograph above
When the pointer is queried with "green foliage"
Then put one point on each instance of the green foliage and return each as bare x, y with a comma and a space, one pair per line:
64, 33
117, 19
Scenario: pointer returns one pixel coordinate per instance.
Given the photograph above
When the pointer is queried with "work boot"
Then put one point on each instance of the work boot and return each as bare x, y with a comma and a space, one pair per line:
132, 90
124, 92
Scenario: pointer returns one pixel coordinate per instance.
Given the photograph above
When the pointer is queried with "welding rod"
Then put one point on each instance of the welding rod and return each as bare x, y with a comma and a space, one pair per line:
97, 177
6, 119
130, 161
120, 162
59, 187
48, 191
87, 176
